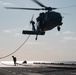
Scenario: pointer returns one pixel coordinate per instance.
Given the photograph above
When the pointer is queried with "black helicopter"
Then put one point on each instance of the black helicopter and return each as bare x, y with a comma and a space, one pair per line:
45, 21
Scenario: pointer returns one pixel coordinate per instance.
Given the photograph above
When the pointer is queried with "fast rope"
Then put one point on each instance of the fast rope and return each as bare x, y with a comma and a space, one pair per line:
16, 49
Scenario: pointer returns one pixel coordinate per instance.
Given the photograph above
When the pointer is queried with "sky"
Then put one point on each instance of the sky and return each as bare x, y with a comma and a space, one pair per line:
53, 46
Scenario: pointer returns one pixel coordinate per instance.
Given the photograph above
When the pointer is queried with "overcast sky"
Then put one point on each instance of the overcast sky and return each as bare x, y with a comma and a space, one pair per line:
54, 46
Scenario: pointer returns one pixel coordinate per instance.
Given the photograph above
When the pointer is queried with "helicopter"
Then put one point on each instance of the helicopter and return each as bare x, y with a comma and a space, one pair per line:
47, 20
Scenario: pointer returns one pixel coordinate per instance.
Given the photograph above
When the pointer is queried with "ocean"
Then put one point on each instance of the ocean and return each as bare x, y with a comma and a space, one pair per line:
20, 63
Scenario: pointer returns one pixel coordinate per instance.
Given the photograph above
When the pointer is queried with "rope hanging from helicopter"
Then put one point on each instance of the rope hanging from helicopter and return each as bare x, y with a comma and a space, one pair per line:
16, 49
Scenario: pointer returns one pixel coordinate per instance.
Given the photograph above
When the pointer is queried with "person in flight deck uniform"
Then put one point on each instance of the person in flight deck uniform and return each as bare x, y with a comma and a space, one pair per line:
14, 60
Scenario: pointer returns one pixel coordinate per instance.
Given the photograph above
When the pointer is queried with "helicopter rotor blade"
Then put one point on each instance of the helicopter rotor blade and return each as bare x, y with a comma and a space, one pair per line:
40, 4
24, 8
45, 7
37, 9
36, 1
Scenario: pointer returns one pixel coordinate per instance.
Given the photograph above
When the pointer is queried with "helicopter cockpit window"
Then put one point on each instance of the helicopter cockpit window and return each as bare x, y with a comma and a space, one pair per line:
40, 20
41, 16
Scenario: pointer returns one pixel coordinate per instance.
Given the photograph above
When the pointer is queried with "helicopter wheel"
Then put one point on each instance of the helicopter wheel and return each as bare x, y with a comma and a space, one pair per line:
36, 37
58, 28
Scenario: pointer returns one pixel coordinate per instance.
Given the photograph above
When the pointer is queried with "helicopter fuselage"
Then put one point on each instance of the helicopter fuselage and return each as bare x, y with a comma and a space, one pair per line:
45, 21
48, 20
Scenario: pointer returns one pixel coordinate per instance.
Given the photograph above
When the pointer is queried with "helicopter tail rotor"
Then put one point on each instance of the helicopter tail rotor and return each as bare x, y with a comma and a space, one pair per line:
32, 19
33, 26
33, 23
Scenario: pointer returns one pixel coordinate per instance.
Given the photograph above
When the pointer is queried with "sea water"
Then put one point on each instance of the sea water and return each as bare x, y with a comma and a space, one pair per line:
11, 63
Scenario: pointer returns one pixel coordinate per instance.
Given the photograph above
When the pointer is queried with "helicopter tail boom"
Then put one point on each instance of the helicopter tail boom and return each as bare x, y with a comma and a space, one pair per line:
33, 32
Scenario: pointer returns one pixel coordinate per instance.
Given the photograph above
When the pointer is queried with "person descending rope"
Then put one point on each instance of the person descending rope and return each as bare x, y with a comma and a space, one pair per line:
14, 60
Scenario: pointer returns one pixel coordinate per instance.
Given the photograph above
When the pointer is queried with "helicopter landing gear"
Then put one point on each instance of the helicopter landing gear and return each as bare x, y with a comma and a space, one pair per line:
36, 37
58, 28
